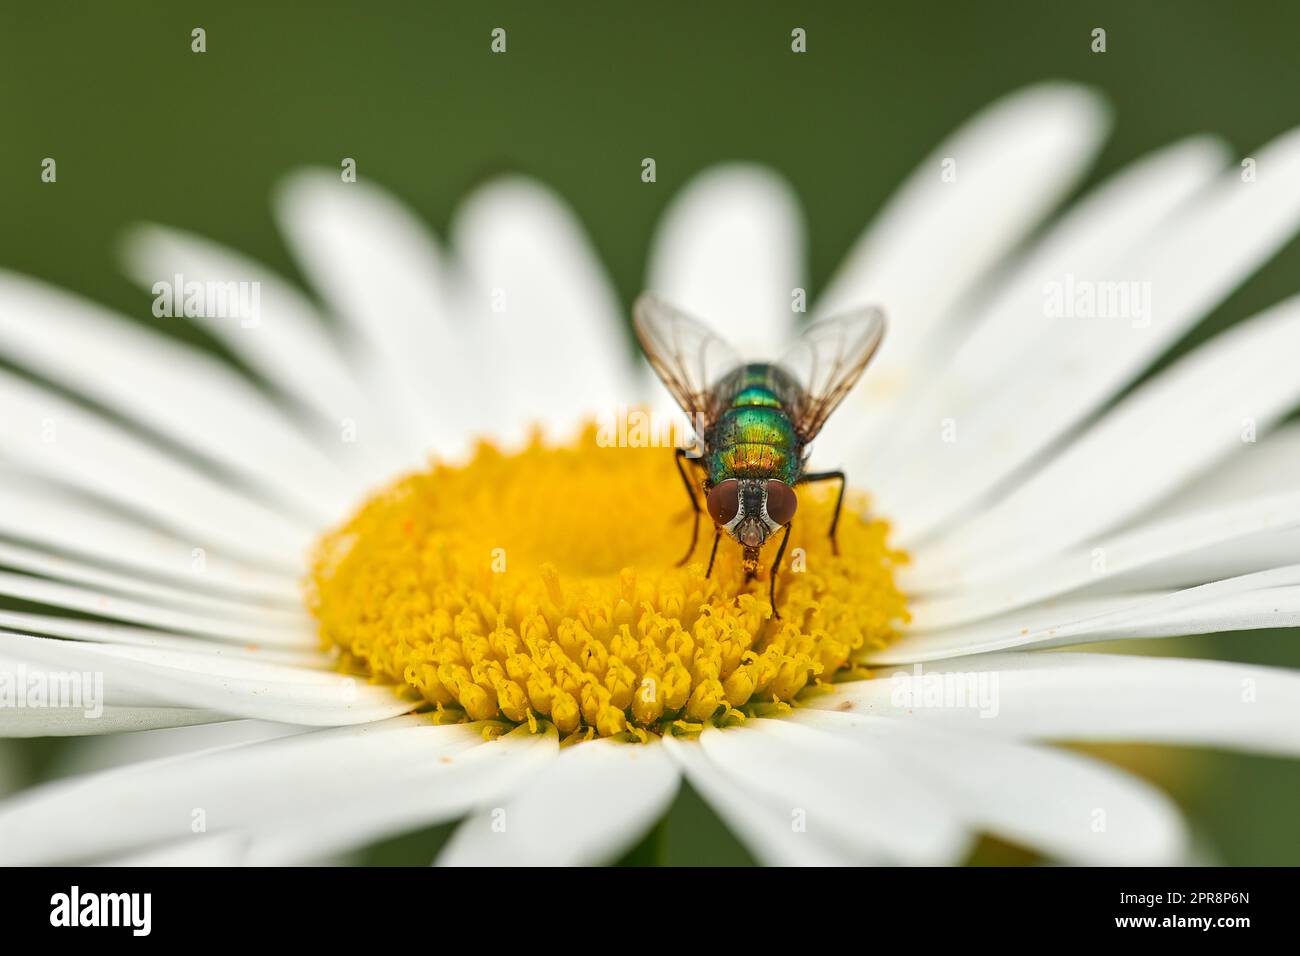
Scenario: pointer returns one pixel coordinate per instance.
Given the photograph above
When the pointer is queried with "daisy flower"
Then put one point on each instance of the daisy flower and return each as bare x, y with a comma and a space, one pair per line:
382, 570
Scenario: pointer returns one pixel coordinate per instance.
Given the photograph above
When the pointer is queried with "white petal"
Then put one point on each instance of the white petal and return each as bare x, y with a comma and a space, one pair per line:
289, 346
984, 594
729, 250
62, 522
936, 239
65, 442
280, 631
222, 849
764, 828
1075, 696
112, 719
77, 571
1066, 806
258, 785
430, 791
1236, 604
103, 632
1192, 262
905, 464
95, 756
236, 686
1269, 466
383, 275
233, 662
589, 806
184, 395
1165, 433
1233, 558
844, 795
539, 291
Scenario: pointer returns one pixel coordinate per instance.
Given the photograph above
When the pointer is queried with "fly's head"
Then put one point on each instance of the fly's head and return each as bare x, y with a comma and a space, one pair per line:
751, 509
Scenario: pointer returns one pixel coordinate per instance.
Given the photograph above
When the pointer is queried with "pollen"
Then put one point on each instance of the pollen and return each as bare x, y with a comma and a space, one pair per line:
542, 586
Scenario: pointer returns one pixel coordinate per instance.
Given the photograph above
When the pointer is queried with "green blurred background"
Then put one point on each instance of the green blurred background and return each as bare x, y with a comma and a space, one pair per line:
142, 128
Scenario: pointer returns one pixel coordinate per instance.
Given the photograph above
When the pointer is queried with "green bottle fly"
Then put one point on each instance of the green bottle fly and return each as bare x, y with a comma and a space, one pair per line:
755, 419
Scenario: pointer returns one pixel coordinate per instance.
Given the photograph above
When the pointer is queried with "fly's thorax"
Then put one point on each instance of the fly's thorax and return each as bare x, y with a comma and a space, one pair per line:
756, 395
747, 384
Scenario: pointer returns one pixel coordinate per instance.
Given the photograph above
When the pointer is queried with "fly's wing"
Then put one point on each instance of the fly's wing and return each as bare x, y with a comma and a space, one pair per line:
686, 355
827, 361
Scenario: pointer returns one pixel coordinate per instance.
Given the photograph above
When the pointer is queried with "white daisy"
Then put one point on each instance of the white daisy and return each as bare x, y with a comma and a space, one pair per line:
162, 527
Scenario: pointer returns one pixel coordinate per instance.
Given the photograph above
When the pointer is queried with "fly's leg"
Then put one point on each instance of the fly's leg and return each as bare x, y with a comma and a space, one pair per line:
717, 536
695, 506
839, 502
776, 568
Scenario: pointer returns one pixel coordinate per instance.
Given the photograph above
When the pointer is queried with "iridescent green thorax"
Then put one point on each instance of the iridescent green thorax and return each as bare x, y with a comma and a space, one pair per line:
754, 437
756, 395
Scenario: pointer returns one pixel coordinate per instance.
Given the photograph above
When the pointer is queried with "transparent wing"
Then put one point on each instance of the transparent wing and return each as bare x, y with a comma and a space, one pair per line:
686, 355
827, 361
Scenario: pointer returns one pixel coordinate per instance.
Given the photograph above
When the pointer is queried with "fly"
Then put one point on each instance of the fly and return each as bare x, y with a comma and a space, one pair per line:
755, 420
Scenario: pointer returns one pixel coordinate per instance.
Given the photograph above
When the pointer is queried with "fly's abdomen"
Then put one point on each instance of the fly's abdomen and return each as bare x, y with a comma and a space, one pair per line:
753, 441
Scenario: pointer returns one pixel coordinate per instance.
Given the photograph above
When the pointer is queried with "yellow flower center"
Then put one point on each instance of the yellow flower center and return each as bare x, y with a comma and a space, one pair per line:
543, 586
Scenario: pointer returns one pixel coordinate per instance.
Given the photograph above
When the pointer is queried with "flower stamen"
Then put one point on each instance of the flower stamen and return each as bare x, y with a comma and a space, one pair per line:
542, 586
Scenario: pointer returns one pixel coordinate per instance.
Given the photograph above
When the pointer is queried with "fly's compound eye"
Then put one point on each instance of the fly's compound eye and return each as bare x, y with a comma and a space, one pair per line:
781, 502
724, 501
